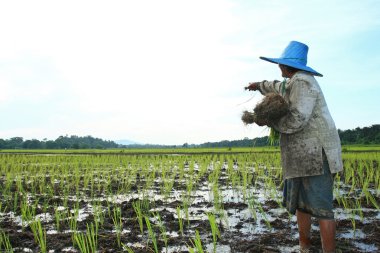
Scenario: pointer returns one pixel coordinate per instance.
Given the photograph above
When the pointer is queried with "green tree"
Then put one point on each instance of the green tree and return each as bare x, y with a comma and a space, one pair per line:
32, 144
15, 142
3, 143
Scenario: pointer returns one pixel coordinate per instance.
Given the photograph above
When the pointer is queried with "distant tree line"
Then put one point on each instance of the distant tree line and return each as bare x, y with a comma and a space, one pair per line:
365, 135
246, 142
62, 142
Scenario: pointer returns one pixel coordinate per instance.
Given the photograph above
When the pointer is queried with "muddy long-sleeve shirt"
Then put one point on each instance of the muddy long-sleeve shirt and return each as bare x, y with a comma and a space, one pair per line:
307, 129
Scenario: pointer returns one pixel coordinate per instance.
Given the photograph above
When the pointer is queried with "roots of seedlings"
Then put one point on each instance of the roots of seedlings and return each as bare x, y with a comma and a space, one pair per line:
270, 109
248, 117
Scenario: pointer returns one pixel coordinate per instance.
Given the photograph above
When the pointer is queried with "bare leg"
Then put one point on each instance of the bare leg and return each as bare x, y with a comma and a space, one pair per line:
327, 228
304, 226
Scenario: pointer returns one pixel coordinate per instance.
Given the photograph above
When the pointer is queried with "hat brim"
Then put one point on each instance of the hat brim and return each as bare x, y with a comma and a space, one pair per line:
291, 64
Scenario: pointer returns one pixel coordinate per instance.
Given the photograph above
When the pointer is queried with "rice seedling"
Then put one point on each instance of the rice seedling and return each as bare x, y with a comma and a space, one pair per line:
28, 212
118, 223
39, 235
162, 228
167, 186
87, 242
137, 208
370, 198
197, 243
186, 202
151, 233
244, 183
263, 214
214, 229
57, 217
353, 219
359, 209
98, 213
5, 244
252, 206
217, 197
73, 222
180, 219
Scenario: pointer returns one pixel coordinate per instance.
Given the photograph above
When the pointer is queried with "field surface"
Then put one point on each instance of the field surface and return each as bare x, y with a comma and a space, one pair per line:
210, 200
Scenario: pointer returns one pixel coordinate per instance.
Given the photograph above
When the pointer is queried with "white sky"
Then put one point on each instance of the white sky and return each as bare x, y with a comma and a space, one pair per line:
170, 72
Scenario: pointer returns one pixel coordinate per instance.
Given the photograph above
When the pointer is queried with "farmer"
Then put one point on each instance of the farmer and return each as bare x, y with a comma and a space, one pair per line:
310, 145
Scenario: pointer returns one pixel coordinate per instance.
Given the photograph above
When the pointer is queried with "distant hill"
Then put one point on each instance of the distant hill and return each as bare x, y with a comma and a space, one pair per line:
126, 142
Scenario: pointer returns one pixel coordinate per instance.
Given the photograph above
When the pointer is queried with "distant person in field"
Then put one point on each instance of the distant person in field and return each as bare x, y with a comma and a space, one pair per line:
310, 145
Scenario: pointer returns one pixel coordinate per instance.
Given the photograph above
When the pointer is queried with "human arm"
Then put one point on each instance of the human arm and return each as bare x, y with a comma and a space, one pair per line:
265, 86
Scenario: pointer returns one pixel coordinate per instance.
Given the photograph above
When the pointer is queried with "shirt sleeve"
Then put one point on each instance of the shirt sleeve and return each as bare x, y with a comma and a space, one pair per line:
302, 100
266, 87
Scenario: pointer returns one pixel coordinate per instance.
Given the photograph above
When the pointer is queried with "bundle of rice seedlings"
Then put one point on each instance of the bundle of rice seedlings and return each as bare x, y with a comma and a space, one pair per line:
272, 108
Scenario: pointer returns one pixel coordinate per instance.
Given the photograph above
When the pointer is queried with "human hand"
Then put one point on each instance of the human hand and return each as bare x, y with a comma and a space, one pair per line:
253, 86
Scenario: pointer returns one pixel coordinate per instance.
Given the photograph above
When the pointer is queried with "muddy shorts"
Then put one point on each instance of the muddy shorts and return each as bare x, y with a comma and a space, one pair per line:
312, 195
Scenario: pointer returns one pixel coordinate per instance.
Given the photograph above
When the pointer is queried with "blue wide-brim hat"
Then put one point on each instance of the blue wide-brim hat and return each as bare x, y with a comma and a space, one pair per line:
294, 55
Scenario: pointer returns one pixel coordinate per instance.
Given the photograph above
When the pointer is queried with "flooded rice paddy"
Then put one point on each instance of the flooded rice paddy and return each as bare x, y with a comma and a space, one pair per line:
225, 203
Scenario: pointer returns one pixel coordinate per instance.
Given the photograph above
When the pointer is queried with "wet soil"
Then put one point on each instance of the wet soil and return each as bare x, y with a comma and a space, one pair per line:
282, 232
